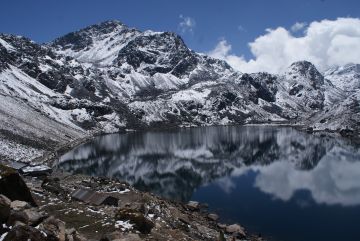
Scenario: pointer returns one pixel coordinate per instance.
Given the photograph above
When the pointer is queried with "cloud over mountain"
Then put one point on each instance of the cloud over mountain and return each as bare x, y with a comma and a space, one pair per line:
325, 43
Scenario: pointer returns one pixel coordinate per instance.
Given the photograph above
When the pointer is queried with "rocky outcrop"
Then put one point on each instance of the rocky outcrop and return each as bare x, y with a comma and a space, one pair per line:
139, 215
24, 233
13, 186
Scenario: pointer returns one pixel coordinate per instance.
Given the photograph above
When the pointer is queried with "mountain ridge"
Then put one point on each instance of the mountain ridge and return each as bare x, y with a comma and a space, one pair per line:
108, 77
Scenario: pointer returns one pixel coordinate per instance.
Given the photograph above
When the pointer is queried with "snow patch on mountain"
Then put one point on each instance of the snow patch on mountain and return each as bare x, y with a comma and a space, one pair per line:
347, 77
108, 77
6, 45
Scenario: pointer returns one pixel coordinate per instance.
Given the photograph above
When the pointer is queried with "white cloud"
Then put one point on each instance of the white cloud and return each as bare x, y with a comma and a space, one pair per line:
223, 51
187, 24
298, 26
331, 182
325, 43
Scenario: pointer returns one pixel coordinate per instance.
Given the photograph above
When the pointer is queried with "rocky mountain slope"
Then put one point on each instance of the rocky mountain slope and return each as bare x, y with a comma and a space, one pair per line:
109, 77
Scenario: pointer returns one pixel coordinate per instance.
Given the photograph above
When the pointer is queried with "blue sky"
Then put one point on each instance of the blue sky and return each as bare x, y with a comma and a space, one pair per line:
239, 22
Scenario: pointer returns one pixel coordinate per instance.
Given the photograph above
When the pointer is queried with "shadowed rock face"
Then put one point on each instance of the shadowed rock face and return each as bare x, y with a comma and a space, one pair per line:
164, 53
307, 70
13, 186
305, 84
5, 58
84, 38
31, 57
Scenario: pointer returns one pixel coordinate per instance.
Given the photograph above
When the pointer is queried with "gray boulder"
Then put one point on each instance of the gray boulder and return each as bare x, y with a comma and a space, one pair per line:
54, 228
27, 216
19, 205
24, 233
4, 208
13, 186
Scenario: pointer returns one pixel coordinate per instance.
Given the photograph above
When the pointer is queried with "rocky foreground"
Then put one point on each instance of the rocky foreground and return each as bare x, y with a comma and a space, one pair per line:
42, 204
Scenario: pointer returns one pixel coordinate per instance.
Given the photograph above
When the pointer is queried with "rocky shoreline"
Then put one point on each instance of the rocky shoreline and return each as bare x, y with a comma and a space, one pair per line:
63, 206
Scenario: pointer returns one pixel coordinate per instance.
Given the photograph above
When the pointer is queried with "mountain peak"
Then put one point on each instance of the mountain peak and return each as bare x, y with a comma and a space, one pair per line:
109, 22
96, 43
85, 37
105, 42
306, 70
106, 26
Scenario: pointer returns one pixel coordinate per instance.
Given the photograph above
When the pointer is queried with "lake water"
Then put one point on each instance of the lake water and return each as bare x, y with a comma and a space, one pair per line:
282, 183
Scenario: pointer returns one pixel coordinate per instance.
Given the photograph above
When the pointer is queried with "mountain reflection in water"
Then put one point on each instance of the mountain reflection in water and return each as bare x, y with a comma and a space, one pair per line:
287, 184
174, 163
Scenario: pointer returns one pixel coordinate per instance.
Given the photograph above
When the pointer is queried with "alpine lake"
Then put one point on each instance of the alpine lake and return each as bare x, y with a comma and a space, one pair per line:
285, 184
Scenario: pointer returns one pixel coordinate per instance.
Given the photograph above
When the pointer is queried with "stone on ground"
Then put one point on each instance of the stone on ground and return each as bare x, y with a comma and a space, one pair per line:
4, 208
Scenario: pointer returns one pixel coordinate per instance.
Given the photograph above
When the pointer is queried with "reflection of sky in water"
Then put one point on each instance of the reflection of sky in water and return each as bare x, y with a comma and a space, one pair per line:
332, 181
297, 219
275, 180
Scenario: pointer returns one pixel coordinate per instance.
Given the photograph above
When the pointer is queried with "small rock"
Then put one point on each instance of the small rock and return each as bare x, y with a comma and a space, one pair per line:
18, 223
233, 228
24, 233
158, 225
34, 217
130, 237
16, 165
205, 231
54, 228
36, 170
213, 216
73, 235
193, 205
117, 236
94, 197
221, 225
53, 185
19, 205
69, 238
27, 216
70, 231
236, 229
184, 219
17, 216
135, 217
5, 204
112, 236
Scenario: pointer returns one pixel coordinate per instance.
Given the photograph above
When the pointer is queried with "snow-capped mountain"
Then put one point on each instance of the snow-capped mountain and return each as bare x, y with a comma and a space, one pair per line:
345, 77
108, 77
304, 82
